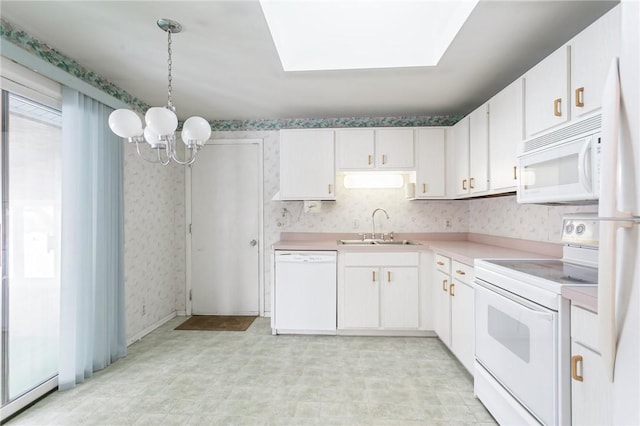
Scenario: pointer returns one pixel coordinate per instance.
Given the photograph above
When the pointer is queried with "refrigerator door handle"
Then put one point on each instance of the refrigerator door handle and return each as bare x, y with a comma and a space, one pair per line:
607, 207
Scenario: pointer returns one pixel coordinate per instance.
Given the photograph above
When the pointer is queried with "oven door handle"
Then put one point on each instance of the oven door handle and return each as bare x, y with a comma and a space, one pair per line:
539, 311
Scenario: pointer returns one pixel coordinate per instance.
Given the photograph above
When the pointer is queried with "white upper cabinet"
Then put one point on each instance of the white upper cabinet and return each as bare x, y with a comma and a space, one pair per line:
470, 154
355, 149
430, 163
547, 93
394, 149
592, 52
569, 83
307, 168
505, 136
375, 149
461, 158
479, 150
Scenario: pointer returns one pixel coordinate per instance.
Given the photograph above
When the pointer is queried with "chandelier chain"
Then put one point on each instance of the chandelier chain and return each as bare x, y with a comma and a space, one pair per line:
169, 65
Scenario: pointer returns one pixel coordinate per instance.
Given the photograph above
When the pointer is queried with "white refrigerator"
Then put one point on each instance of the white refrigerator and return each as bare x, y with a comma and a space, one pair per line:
619, 209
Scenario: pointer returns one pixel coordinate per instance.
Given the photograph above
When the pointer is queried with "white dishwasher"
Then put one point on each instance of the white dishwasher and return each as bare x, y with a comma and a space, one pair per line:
304, 300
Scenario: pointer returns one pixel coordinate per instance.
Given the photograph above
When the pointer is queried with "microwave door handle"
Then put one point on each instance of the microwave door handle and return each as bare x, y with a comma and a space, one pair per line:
584, 165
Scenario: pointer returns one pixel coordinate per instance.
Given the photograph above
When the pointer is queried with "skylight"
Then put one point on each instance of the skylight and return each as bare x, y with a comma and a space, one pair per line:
359, 34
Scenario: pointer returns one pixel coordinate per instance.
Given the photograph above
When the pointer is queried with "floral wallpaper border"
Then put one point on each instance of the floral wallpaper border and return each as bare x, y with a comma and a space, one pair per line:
60, 60
310, 123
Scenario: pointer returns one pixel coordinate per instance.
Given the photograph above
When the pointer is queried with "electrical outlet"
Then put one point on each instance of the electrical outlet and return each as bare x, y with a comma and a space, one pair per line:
447, 223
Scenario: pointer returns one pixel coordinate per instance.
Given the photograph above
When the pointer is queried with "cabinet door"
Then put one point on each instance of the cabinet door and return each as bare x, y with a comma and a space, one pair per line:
307, 169
461, 157
394, 149
546, 93
505, 136
591, 54
442, 308
361, 297
355, 149
399, 301
430, 162
590, 397
462, 323
479, 150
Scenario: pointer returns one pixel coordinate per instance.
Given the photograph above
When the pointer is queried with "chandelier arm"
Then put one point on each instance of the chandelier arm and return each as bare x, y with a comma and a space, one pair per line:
185, 162
168, 160
153, 161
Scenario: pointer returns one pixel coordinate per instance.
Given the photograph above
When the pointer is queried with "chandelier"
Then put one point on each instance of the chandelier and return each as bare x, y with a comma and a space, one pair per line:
162, 122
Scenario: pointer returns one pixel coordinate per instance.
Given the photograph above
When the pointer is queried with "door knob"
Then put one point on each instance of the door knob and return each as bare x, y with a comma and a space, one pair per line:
253, 243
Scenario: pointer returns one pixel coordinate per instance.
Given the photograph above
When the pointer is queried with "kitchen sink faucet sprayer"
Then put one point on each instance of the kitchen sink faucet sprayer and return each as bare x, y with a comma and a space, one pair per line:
373, 221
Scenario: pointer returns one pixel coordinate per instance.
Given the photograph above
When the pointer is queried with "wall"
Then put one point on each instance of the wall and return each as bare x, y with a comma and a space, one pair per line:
155, 232
154, 243
504, 217
500, 216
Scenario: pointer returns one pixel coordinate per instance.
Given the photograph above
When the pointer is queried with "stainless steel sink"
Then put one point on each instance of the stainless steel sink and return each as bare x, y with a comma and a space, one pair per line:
378, 242
397, 242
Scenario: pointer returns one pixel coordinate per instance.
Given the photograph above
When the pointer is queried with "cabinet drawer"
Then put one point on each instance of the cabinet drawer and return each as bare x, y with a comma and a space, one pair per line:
584, 328
462, 272
443, 263
381, 259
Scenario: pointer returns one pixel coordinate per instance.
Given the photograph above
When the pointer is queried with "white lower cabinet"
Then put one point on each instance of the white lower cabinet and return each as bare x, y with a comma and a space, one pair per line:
591, 391
454, 298
379, 291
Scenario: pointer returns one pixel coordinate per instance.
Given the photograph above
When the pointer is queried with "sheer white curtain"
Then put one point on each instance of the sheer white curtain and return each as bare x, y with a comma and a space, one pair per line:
92, 307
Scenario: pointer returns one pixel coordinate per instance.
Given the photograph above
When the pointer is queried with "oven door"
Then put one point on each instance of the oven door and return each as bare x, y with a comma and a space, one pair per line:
516, 341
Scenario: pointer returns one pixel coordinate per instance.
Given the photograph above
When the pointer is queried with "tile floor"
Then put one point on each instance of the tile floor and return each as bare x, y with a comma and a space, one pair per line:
254, 378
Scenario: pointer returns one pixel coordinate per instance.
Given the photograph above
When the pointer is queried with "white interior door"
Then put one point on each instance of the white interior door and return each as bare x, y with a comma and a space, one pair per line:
226, 227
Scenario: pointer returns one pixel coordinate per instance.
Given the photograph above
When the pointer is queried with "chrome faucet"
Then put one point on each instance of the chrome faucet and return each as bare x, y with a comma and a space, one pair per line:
373, 221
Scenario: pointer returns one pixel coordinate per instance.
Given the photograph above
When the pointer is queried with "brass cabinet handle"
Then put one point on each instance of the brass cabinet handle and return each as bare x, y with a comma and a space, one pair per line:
329, 188
373, 276
424, 188
444, 286
384, 159
515, 171
557, 107
471, 183
580, 97
370, 159
388, 276
574, 368
460, 272
451, 289
464, 184
439, 263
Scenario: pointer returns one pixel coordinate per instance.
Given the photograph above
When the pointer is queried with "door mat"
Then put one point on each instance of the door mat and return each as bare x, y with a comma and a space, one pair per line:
217, 323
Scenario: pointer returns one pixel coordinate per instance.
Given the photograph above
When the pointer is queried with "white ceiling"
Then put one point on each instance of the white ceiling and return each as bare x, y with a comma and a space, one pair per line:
225, 65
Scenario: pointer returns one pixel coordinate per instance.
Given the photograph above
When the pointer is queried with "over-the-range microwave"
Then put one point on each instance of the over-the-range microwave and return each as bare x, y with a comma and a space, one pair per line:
562, 166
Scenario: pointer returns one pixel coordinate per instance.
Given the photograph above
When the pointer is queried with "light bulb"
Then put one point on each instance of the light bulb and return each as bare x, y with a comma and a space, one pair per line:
196, 129
161, 120
125, 123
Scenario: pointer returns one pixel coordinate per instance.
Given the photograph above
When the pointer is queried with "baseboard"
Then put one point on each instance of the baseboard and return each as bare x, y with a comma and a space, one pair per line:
152, 327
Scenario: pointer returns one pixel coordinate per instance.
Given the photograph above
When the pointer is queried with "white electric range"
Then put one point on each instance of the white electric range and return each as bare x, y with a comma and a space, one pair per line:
523, 328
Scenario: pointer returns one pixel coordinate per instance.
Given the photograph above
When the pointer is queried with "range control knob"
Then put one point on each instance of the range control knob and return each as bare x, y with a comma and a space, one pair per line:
569, 228
580, 229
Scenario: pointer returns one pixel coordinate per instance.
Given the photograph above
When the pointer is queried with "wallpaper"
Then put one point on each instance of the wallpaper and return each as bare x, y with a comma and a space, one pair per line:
504, 217
154, 241
155, 260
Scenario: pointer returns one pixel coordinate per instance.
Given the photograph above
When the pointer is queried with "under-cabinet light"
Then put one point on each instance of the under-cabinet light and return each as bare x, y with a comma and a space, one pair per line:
373, 180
